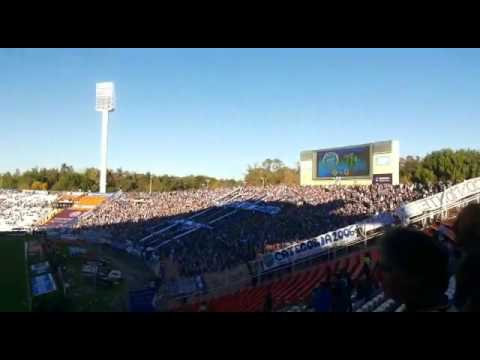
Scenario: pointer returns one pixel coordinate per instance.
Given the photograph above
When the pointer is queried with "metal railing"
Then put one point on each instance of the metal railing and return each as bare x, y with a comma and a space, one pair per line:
264, 278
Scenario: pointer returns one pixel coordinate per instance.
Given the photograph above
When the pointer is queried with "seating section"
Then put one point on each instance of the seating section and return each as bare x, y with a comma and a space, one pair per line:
293, 289
387, 306
290, 293
373, 303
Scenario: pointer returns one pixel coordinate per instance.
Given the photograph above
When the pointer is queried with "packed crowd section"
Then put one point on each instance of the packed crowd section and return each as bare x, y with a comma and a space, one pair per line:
22, 210
242, 235
407, 270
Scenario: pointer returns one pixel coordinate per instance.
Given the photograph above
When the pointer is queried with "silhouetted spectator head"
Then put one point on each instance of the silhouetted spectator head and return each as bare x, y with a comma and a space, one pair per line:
335, 277
467, 228
468, 283
268, 305
324, 284
414, 268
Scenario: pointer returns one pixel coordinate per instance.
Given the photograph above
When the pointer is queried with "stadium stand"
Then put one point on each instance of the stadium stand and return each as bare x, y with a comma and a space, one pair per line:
293, 289
211, 231
221, 229
291, 293
23, 210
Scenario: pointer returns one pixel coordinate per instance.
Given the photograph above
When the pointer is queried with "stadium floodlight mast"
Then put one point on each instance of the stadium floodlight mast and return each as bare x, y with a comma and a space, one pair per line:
105, 103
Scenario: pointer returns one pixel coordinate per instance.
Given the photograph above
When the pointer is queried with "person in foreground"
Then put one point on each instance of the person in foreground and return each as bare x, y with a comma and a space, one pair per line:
415, 271
467, 229
322, 298
467, 233
468, 283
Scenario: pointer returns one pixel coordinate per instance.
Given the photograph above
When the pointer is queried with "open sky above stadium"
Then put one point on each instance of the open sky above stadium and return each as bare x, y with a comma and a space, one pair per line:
214, 111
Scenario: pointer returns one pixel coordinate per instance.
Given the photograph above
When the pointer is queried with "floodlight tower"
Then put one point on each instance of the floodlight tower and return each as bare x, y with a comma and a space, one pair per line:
105, 103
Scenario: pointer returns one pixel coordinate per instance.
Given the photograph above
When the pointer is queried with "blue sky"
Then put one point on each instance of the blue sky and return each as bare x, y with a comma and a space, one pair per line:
214, 111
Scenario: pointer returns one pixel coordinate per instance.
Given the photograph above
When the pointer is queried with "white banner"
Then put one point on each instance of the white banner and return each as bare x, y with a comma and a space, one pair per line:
310, 247
245, 205
377, 222
435, 202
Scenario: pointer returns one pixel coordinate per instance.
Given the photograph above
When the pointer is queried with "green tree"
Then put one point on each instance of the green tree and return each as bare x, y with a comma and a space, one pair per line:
449, 165
271, 172
408, 167
9, 181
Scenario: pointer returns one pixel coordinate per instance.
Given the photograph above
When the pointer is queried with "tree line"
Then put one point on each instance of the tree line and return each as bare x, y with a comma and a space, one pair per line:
443, 165
272, 172
67, 179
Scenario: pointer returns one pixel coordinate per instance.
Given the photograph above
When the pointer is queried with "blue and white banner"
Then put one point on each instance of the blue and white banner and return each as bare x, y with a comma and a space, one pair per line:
245, 205
310, 247
377, 222
441, 200
189, 224
43, 284
40, 268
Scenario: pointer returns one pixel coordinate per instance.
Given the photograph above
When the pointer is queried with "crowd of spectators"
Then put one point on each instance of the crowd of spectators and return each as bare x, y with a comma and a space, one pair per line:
338, 291
22, 210
244, 235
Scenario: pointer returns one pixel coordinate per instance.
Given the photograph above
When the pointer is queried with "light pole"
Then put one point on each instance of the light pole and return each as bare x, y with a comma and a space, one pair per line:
105, 103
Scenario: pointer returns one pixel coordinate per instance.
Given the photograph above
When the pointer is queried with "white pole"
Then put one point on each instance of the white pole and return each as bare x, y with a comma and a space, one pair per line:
103, 149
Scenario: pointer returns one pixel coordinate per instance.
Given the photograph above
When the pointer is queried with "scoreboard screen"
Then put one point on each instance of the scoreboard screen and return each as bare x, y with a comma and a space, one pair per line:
344, 162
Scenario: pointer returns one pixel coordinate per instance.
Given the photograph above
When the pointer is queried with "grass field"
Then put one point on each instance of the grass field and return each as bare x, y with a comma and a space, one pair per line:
83, 295
13, 276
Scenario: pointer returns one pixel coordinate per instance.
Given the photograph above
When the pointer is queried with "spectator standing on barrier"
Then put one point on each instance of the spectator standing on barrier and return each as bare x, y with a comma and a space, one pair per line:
339, 294
322, 298
268, 306
367, 264
364, 287
376, 277
348, 288
203, 307
415, 271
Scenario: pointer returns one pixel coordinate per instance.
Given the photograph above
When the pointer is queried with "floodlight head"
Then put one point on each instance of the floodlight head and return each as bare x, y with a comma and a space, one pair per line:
105, 96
